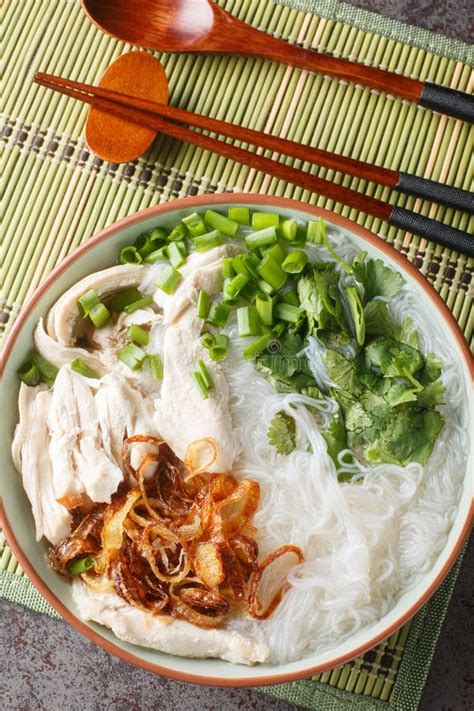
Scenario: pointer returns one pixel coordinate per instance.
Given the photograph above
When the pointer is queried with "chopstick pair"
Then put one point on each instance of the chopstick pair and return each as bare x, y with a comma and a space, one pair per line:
162, 118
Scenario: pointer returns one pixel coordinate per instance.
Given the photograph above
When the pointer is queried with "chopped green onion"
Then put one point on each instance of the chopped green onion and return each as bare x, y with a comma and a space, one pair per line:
138, 335
99, 315
156, 255
264, 305
240, 215
202, 304
201, 366
140, 304
81, 565
242, 264
130, 255
287, 312
279, 328
226, 295
257, 346
220, 347
158, 234
295, 262
29, 374
183, 247
133, 356
219, 222
195, 224
208, 241
289, 229
201, 384
156, 366
261, 220
87, 301
47, 370
82, 368
276, 252
290, 297
237, 284
168, 280
262, 238
265, 287
207, 340
178, 233
218, 315
315, 231
248, 321
227, 268
249, 292
175, 255
271, 272
119, 302
147, 243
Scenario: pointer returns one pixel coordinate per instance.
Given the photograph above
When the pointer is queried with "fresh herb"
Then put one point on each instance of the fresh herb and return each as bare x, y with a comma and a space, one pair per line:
376, 277
282, 433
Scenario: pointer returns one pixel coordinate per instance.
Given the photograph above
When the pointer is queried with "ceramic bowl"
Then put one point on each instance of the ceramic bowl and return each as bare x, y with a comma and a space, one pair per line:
17, 521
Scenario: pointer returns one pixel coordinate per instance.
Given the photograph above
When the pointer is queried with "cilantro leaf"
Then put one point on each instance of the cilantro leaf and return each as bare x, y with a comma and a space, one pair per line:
431, 395
393, 358
282, 433
377, 278
336, 438
378, 321
431, 370
409, 437
342, 372
355, 313
286, 371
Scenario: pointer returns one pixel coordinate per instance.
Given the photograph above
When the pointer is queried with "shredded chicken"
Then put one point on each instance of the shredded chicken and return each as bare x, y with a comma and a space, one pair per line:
31, 458
165, 633
79, 460
182, 415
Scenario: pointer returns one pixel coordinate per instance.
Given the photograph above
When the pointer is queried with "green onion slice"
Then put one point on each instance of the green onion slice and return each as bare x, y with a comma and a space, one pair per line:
248, 321
178, 233
202, 368
289, 229
168, 280
208, 241
156, 366
239, 214
138, 335
119, 302
257, 346
139, 304
29, 374
261, 220
82, 368
130, 255
195, 224
81, 565
261, 238
218, 351
155, 256
133, 356
287, 312
218, 314
99, 315
87, 301
264, 306
201, 384
207, 340
295, 262
203, 304
216, 221
271, 272
175, 255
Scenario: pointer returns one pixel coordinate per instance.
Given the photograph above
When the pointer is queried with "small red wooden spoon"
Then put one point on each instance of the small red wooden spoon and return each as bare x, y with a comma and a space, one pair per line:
113, 138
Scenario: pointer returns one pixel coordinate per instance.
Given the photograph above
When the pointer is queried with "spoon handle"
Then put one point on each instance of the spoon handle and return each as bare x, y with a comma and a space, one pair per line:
249, 40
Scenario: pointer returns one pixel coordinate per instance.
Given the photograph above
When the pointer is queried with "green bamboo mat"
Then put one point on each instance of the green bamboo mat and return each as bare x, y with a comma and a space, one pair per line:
56, 195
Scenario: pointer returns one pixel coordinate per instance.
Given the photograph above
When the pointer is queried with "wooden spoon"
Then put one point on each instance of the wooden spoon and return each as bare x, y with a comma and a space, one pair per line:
113, 138
204, 27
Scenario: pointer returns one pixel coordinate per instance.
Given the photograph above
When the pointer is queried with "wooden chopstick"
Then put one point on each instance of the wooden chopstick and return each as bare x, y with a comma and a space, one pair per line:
454, 197
125, 108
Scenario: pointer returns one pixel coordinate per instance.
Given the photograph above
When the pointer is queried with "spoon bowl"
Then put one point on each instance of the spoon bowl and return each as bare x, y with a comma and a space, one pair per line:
202, 26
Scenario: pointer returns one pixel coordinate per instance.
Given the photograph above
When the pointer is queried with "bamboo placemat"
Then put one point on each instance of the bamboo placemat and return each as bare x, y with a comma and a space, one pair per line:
56, 195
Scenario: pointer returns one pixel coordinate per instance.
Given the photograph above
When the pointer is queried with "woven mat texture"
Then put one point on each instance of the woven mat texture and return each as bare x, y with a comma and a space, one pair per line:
57, 194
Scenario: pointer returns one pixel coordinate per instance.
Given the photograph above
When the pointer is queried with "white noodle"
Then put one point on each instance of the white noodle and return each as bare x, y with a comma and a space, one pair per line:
364, 542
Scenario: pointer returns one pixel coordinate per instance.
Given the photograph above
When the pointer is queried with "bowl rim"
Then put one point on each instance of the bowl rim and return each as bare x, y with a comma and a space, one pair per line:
283, 204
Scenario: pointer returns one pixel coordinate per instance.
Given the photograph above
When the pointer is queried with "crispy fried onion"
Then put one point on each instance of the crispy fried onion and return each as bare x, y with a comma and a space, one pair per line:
180, 541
